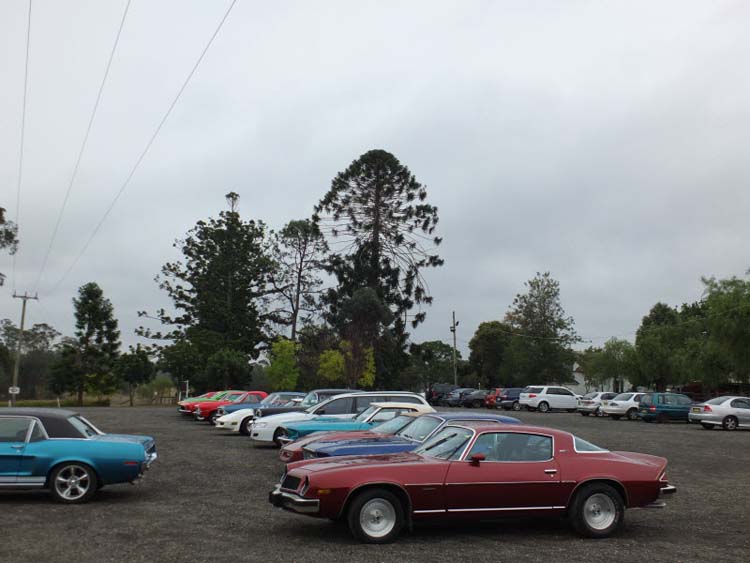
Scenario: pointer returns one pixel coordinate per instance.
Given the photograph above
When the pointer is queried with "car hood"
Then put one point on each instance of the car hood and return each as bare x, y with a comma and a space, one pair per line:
328, 438
402, 460
145, 441
363, 442
323, 425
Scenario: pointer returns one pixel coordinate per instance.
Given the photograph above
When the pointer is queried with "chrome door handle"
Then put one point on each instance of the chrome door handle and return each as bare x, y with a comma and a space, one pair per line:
550, 471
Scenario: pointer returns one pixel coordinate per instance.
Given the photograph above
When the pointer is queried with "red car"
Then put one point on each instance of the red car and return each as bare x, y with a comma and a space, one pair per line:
206, 410
490, 401
477, 471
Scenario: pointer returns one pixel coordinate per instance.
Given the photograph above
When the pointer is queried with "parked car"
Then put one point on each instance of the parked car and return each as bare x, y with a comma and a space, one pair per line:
276, 399
241, 421
210, 396
548, 397
664, 407
624, 404
294, 450
491, 397
502, 471
208, 410
405, 440
591, 403
453, 399
270, 429
438, 391
728, 412
375, 414
509, 399
62, 452
188, 406
475, 399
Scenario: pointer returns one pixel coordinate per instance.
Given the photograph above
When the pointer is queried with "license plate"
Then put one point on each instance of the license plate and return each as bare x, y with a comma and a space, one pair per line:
605, 403
696, 409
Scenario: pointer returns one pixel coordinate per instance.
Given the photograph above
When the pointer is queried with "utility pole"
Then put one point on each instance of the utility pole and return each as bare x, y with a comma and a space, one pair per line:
14, 390
453, 330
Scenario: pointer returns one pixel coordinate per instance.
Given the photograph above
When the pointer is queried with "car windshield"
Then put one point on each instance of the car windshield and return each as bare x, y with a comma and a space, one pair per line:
446, 444
310, 400
365, 414
238, 398
623, 397
271, 399
420, 428
717, 400
394, 425
84, 426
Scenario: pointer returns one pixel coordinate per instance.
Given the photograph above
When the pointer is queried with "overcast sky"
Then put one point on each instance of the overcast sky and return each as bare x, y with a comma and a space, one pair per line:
606, 142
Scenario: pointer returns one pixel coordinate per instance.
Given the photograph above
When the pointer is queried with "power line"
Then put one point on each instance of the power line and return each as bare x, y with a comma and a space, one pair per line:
146, 149
23, 139
83, 146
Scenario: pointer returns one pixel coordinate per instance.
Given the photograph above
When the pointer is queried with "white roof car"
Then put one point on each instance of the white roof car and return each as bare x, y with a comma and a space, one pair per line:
547, 397
624, 404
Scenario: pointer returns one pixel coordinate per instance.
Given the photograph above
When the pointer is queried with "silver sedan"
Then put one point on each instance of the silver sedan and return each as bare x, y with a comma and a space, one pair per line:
728, 412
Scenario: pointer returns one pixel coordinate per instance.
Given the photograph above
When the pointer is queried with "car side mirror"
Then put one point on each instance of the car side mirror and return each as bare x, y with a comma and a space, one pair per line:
476, 458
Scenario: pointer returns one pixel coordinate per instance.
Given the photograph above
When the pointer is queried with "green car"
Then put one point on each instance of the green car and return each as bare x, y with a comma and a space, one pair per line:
663, 407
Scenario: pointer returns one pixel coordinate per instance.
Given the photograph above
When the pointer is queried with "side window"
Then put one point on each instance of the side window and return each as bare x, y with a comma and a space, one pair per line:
338, 406
14, 429
363, 402
385, 414
663, 400
684, 400
37, 434
740, 404
512, 446
564, 392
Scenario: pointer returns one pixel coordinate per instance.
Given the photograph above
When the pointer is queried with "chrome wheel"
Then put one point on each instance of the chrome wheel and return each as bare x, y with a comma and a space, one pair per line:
599, 511
543, 407
516, 406
632, 414
377, 518
72, 482
730, 423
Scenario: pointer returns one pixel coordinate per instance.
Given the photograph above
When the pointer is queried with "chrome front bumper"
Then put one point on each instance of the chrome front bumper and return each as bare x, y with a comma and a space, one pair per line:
665, 491
293, 502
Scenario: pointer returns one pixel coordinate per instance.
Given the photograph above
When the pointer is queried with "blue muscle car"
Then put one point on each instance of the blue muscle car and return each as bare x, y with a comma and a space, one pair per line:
63, 452
404, 440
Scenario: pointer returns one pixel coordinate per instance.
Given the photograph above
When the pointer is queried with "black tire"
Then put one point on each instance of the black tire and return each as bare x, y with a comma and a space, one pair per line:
729, 423
632, 414
245, 426
543, 406
707, 426
211, 419
277, 437
516, 406
662, 418
585, 413
374, 502
73, 482
478, 404
614, 416
598, 412
597, 511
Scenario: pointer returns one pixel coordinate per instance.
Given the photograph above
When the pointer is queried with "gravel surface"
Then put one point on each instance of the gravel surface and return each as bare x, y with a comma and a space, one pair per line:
205, 499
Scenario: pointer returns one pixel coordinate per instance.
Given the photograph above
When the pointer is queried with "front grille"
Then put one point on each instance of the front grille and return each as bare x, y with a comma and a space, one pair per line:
290, 482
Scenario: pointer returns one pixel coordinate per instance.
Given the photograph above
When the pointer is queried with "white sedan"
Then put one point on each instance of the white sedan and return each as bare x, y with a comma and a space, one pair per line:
624, 404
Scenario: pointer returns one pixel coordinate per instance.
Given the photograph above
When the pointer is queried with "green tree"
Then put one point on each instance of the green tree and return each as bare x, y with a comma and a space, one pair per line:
221, 288
184, 363
429, 362
655, 342
350, 368
312, 341
540, 351
614, 364
381, 230
134, 368
8, 237
91, 355
487, 355
283, 372
227, 369
299, 252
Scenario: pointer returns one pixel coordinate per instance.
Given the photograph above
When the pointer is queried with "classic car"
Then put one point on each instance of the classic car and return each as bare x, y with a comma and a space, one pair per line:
405, 440
276, 399
269, 429
208, 410
294, 450
728, 412
371, 416
186, 406
664, 407
477, 471
244, 418
61, 451
624, 404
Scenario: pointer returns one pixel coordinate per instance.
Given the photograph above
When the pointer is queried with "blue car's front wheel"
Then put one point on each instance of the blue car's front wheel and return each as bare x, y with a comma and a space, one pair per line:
73, 483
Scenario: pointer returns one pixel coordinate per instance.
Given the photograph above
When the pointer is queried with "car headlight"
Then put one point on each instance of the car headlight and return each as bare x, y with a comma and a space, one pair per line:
260, 424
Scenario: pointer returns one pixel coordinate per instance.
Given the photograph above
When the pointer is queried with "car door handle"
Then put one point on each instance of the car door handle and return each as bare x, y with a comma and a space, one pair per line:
18, 446
550, 471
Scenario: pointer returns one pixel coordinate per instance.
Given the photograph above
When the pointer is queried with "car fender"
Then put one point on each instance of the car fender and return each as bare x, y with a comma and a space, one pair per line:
379, 483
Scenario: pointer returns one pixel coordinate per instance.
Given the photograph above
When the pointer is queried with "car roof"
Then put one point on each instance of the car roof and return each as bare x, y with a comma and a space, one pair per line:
55, 421
463, 415
333, 391
40, 413
370, 393
411, 406
519, 428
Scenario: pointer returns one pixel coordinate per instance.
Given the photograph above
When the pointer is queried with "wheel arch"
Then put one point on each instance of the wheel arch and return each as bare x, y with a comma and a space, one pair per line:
390, 486
81, 461
611, 481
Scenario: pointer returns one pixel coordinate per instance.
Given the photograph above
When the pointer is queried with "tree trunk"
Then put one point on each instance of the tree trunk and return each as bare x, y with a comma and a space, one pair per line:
80, 396
131, 391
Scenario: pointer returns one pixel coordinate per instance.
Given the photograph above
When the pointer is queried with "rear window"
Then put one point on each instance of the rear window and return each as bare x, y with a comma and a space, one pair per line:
717, 400
421, 428
584, 446
533, 390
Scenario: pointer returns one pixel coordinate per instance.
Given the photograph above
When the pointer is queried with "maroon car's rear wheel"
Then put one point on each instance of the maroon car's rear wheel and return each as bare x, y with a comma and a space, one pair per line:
597, 510
73, 483
375, 516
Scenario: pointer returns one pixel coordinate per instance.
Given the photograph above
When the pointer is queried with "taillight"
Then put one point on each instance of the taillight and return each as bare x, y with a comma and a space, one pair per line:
651, 409
532, 395
706, 408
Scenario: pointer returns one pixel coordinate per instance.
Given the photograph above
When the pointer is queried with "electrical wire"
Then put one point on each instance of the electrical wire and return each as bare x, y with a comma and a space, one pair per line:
145, 150
83, 147
23, 142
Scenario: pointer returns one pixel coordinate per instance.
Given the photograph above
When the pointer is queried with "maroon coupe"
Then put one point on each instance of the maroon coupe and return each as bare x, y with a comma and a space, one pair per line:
477, 471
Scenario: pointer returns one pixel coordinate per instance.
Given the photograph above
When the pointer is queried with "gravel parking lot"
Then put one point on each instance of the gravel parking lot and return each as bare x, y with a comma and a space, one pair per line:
206, 500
